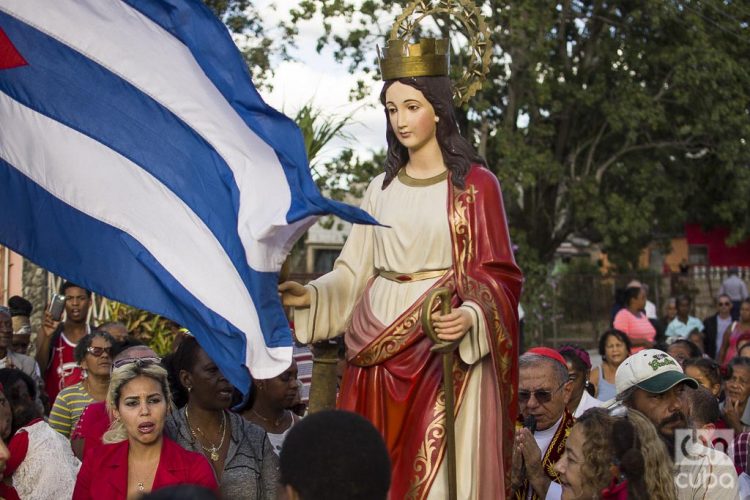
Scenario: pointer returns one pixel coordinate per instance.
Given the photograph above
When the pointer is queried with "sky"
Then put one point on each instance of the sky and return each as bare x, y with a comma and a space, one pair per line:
319, 79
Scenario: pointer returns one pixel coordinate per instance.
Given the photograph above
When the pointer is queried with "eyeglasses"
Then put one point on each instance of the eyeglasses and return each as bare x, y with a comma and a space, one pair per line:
725, 304
98, 352
137, 361
542, 396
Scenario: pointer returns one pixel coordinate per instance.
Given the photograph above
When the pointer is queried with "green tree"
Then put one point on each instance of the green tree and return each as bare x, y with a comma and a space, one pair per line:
613, 120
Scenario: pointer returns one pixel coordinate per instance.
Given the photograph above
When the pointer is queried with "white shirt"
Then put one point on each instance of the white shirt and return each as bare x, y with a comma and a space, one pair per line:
587, 401
650, 310
708, 474
543, 440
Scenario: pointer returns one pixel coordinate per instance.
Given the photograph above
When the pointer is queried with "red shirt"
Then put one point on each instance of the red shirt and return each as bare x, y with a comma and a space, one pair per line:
92, 425
18, 447
63, 369
104, 472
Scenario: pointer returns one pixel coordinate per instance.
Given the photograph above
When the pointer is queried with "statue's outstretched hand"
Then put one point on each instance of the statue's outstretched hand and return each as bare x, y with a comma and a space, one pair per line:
294, 295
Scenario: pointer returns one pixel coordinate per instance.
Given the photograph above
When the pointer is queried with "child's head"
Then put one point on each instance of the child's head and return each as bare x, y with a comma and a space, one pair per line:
706, 372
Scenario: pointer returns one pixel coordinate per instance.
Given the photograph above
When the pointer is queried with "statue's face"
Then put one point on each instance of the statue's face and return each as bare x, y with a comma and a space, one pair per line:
411, 116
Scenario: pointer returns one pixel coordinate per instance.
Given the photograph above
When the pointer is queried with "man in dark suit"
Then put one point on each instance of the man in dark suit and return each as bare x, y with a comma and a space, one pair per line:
716, 325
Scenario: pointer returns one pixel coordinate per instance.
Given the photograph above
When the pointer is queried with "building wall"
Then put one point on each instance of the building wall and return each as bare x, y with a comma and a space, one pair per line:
11, 272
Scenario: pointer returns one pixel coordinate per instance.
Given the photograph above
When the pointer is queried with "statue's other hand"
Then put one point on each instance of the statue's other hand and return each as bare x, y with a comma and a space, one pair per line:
294, 294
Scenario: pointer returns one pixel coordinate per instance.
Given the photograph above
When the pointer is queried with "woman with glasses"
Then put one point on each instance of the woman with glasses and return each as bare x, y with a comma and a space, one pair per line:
733, 333
137, 457
94, 355
239, 452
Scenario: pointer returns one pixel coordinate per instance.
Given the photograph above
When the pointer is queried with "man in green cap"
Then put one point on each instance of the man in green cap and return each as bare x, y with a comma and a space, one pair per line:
653, 383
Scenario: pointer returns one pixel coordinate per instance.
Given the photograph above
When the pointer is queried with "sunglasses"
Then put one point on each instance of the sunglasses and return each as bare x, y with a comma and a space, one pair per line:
726, 304
137, 361
98, 352
542, 396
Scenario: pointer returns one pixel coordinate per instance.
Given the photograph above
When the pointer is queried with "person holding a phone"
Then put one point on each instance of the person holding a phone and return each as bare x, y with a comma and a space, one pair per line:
55, 346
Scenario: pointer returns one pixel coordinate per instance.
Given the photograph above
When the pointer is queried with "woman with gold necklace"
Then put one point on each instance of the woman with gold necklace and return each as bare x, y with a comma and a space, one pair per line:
269, 405
239, 452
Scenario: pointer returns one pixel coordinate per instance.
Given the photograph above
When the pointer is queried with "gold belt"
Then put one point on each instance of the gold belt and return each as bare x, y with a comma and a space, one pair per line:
408, 277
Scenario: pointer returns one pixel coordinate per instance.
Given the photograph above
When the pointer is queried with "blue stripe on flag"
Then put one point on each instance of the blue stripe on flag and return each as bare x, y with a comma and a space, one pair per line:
112, 263
209, 41
70, 88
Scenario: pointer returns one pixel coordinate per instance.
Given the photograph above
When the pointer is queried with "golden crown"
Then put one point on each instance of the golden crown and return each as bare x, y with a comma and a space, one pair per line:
430, 57
401, 59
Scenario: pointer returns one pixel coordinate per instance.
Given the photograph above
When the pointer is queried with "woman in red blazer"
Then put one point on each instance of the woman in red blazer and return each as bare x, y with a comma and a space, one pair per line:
136, 457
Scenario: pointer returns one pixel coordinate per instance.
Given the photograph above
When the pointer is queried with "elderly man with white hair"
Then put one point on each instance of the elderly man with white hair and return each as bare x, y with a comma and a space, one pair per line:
544, 390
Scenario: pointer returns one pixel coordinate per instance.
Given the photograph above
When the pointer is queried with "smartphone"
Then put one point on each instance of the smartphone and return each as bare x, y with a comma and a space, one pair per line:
57, 306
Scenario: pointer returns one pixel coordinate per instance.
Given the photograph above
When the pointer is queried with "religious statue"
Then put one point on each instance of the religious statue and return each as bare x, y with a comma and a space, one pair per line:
443, 225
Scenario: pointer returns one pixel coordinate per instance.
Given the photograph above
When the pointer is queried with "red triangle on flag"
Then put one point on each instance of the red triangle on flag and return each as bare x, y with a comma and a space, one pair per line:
9, 56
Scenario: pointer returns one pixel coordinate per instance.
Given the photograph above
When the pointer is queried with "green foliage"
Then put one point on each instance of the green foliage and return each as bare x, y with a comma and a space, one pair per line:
615, 121
318, 130
257, 40
151, 329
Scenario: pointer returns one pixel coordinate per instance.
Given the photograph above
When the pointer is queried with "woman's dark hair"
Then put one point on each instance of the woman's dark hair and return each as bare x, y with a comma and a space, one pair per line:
248, 401
9, 376
621, 336
708, 367
129, 342
186, 354
581, 362
79, 353
22, 411
573, 354
631, 293
628, 456
183, 358
458, 153
695, 351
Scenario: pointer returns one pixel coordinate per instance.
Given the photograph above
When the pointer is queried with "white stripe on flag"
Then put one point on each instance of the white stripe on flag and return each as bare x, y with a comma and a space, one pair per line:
107, 186
132, 46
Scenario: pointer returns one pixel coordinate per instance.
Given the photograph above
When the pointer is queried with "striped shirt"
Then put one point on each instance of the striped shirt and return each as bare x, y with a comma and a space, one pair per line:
68, 407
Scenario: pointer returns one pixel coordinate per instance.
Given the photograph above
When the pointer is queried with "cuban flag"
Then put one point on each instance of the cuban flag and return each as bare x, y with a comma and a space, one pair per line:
138, 160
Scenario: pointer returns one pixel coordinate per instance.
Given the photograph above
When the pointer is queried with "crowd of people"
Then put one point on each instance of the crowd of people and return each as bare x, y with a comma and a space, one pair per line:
114, 417
664, 415
97, 414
